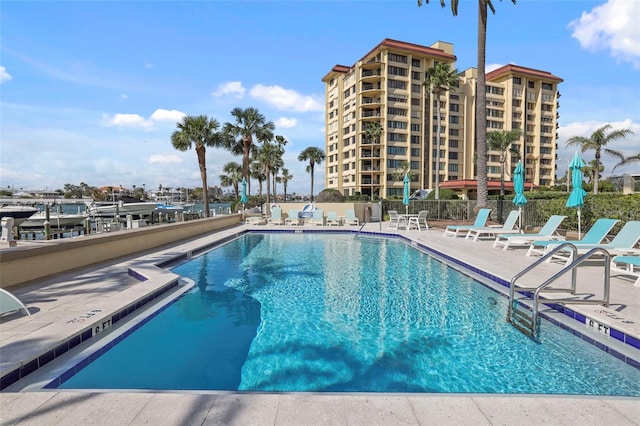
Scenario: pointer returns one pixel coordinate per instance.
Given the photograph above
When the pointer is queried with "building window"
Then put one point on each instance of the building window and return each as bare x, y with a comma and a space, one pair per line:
416, 75
415, 127
454, 119
453, 143
415, 63
453, 156
391, 124
415, 139
396, 137
396, 111
396, 84
397, 71
398, 58
416, 88
396, 150
453, 167
397, 98
547, 86
517, 80
415, 152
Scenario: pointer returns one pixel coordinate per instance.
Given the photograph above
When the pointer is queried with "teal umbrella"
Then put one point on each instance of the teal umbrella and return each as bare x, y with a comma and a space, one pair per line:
243, 194
518, 186
405, 197
577, 194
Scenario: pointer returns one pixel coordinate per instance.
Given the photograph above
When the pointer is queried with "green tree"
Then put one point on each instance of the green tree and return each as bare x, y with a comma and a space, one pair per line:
598, 142
286, 178
627, 160
439, 80
269, 156
249, 123
481, 95
257, 173
201, 132
278, 163
232, 176
314, 156
502, 141
373, 131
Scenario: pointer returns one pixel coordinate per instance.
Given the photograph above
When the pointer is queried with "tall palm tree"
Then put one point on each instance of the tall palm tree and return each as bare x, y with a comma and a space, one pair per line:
249, 123
314, 156
232, 176
627, 160
285, 177
373, 131
256, 172
598, 141
481, 95
199, 131
268, 156
501, 141
279, 163
438, 80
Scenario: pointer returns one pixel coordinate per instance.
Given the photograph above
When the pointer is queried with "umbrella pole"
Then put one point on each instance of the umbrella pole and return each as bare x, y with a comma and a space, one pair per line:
520, 219
579, 230
243, 211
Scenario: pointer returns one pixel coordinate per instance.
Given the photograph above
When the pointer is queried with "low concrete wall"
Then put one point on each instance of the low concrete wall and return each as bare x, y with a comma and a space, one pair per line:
32, 261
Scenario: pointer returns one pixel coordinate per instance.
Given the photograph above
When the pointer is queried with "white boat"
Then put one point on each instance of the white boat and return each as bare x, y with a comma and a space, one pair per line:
56, 220
126, 206
169, 209
18, 213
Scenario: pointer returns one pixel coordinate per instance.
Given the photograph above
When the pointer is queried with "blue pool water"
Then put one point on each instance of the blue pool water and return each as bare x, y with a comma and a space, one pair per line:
318, 312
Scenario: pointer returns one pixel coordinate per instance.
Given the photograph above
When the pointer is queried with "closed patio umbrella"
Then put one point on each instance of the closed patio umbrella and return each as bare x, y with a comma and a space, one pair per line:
518, 185
576, 196
405, 197
243, 194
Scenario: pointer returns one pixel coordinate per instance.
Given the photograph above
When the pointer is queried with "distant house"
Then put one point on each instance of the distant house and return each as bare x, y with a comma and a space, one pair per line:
467, 189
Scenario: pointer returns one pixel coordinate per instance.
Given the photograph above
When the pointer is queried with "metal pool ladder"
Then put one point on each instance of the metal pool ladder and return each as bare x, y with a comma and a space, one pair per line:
527, 319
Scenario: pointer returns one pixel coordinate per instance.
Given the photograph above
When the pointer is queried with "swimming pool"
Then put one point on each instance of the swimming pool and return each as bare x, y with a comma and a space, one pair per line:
334, 313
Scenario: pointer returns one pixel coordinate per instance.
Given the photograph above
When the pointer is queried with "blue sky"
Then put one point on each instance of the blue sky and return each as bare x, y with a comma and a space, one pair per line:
91, 91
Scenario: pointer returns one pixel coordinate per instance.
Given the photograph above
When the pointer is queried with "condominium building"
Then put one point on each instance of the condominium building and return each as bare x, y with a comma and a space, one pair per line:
381, 122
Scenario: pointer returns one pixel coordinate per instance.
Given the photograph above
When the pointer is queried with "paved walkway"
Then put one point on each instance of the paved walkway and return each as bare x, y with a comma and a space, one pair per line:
59, 305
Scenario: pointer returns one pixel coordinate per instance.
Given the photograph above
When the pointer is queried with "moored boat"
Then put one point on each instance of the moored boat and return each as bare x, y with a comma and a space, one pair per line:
56, 220
124, 207
18, 213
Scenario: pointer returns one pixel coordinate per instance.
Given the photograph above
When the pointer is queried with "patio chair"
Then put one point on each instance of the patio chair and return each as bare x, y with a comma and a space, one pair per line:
547, 232
595, 235
481, 222
627, 265
622, 244
255, 220
395, 219
420, 221
350, 217
332, 219
292, 218
10, 303
509, 227
317, 218
276, 216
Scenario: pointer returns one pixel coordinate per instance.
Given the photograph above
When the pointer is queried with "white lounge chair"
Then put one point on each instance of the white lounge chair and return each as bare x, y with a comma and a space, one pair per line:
480, 222
317, 218
509, 227
276, 217
9, 303
547, 232
332, 219
419, 221
292, 218
622, 244
627, 265
595, 235
350, 217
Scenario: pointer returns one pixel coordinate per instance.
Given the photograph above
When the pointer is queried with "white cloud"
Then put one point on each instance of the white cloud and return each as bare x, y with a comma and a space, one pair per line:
165, 159
136, 120
286, 123
232, 88
169, 116
612, 26
286, 99
148, 65
628, 146
126, 120
124, 96
492, 67
4, 75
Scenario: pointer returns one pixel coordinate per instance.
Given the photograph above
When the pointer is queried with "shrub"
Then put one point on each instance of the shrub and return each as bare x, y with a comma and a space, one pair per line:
330, 196
445, 194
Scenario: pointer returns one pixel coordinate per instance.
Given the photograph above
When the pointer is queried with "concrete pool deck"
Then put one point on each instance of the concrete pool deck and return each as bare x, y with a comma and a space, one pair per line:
58, 302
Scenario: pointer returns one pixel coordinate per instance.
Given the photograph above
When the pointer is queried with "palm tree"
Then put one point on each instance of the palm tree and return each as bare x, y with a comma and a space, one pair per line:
278, 163
627, 160
286, 177
249, 123
232, 176
268, 156
373, 130
481, 95
501, 141
439, 79
314, 156
256, 172
201, 132
598, 141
